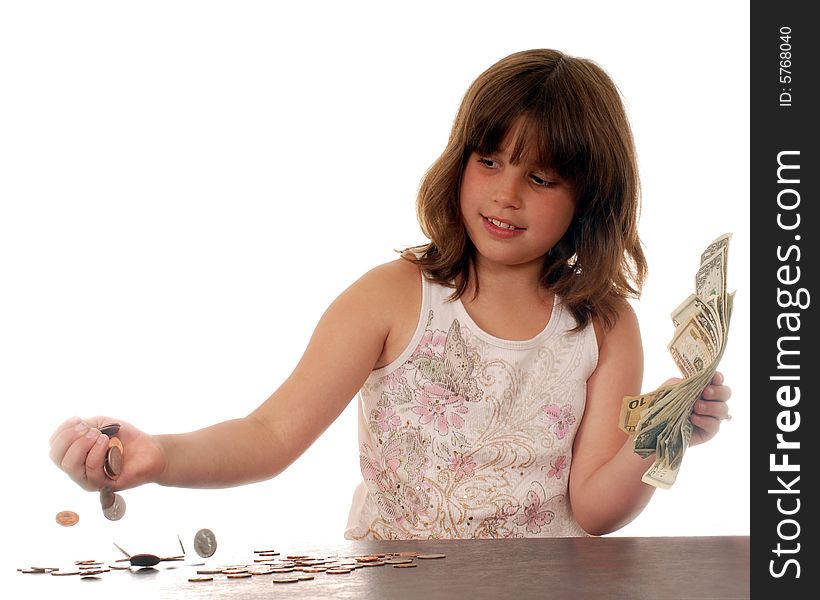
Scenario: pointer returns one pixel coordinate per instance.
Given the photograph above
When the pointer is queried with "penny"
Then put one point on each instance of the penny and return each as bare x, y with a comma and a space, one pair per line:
113, 462
67, 518
61, 573
116, 510
405, 566
205, 543
423, 556
397, 561
338, 571
238, 575
110, 430
285, 579
366, 559
209, 571
144, 560
200, 579
115, 442
37, 570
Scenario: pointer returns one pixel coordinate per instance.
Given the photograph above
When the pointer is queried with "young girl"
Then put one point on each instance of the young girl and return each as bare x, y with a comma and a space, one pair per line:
491, 362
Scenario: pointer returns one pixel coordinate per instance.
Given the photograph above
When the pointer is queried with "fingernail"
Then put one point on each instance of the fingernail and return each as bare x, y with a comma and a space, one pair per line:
80, 427
103, 439
92, 433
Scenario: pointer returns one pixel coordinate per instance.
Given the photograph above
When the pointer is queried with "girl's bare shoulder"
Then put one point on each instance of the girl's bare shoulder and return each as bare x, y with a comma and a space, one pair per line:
393, 292
626, 324
392, 280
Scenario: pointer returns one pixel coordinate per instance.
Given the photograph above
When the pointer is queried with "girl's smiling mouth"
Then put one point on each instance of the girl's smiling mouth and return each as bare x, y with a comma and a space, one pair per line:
500, 228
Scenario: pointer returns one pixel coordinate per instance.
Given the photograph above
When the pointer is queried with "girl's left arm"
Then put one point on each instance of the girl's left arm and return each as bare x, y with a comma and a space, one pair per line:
606, 491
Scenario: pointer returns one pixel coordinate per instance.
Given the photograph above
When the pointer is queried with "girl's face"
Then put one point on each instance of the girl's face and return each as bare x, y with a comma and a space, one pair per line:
514, 213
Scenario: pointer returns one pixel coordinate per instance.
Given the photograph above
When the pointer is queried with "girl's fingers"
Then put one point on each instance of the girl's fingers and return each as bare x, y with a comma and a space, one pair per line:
63, 439
94, 474
67, 424
708, 425
74, 460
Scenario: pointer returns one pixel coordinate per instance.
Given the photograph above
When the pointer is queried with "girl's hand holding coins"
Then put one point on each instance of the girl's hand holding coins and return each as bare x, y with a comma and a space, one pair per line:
105, 454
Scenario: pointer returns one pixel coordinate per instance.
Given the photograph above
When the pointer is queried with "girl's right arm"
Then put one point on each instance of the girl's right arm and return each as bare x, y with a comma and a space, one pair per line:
346, 345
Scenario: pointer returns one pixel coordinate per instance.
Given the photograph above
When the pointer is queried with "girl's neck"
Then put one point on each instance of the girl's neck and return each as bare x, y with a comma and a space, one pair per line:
507, 281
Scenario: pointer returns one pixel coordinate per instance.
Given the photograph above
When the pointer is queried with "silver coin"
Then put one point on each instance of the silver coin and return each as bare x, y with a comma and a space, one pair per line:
116, 510
106, 497
205, 543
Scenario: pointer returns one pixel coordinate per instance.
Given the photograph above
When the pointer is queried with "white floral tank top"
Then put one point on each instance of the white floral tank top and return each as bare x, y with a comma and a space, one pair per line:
466, 435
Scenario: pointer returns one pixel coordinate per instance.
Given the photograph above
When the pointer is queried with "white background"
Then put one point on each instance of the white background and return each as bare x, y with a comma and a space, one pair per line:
186, 186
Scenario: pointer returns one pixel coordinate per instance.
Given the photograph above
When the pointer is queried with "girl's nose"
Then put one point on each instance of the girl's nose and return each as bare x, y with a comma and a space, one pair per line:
506, 192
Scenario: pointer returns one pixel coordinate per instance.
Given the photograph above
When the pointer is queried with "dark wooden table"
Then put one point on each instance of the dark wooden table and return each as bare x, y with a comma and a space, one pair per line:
577, 568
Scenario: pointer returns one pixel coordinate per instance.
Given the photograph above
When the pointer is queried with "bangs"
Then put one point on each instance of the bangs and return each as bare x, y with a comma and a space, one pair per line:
541, 134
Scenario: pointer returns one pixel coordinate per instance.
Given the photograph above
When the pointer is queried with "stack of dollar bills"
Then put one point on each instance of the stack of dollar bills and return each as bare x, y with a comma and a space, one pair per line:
660, 419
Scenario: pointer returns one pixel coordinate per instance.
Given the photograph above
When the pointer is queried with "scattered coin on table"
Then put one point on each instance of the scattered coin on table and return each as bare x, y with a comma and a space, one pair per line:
266, 565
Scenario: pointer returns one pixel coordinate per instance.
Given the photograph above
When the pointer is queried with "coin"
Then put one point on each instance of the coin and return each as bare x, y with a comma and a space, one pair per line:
285, 579
113, 462
200, 579
144, 560
238, 575
115, 442
116, 510
106, 497
405, 566
431, 556
67, 518
397, 561
205, 543
110, 430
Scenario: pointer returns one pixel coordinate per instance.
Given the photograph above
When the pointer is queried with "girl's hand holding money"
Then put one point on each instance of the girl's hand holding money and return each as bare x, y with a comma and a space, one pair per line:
79, 448
709, 409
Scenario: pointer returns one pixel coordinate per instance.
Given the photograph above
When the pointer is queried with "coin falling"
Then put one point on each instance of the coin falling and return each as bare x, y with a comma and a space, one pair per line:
116, 510
106, 497
144, 560
67, 518
205, 543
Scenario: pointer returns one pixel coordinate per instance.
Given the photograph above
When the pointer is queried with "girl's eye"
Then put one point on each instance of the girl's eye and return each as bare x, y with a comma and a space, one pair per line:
487, 162
540, 181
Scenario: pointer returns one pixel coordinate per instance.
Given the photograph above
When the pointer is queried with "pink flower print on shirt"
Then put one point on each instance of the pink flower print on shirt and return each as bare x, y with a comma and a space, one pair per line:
386, 418
534, 516
441, 407
432, 344
558, 466
461, 465
561, 418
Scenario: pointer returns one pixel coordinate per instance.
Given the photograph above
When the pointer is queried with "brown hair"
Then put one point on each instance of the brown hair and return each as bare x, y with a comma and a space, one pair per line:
574, 121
